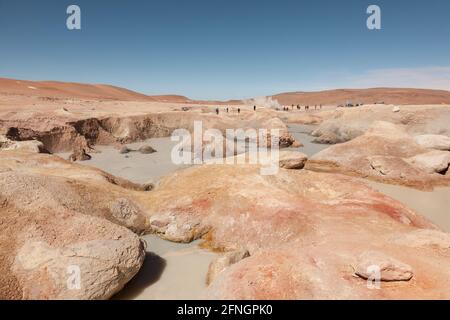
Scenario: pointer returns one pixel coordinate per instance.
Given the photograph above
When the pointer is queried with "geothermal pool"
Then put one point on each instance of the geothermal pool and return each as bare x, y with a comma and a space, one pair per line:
434, 205
301, 133
173, 271
178, 271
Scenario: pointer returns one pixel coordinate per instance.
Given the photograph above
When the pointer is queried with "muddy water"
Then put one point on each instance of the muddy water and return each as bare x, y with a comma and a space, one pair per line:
170, 271
434, 205
301, 133
135, 166
178, 271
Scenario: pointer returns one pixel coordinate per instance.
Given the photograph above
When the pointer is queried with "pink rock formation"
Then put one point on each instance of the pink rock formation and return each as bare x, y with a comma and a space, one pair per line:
304, 231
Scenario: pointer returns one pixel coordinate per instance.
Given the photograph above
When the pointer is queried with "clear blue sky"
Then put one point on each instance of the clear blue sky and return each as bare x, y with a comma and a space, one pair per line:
228, 48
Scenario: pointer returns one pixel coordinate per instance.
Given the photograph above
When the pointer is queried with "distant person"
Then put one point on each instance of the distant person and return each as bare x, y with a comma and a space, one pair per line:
217, 110
239, 110
254, 108
227, 109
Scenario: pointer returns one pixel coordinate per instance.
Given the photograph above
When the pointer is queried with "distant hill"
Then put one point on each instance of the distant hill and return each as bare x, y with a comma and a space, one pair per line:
330, 97
367, 96
80, 90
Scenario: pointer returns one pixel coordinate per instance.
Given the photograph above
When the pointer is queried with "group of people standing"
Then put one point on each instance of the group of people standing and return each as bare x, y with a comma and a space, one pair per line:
300, 108
316, 107
228, 110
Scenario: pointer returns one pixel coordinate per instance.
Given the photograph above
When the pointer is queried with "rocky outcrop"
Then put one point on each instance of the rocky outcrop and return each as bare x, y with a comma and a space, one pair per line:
386, 152
433, 141
224, 261
303, 230
432, 162
63, 229
90, 269
327, 138
79, 154
64, 134
349, 123
378, 266
292, 160
32, 146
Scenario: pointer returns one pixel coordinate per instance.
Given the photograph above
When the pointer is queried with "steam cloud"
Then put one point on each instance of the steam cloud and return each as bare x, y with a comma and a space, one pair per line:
267, 102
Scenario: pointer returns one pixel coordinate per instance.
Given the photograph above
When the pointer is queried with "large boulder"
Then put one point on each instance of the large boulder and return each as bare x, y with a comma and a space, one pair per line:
386, 152
432, 162
292, 160
433, 141
63, 223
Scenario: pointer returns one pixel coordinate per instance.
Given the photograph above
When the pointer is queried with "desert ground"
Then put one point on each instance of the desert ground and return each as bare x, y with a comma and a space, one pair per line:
87, 180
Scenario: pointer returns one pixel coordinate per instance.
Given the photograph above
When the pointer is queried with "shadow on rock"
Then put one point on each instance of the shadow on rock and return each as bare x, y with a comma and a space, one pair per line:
150, 273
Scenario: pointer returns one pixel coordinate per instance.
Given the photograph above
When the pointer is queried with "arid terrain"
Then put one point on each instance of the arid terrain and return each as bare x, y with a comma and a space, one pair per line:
86, 180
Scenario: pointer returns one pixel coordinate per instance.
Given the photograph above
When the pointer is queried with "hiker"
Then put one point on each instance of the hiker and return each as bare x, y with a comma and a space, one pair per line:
227, 109
254, 108
239, 110
217, 110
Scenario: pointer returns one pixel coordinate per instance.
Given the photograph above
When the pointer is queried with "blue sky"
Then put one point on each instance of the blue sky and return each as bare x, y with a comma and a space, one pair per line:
220, 49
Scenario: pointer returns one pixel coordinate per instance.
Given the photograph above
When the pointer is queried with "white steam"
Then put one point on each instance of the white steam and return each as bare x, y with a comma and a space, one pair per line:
266, 102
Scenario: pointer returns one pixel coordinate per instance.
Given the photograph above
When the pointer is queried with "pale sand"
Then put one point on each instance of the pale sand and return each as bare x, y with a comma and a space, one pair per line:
170, 271
434, 205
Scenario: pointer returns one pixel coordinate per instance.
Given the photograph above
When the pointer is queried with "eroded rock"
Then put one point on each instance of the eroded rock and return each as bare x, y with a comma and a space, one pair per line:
372, 264
224, 261
292, 160
433, 141
432, 162
146, 149
79, 155
56, 216
388, 153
